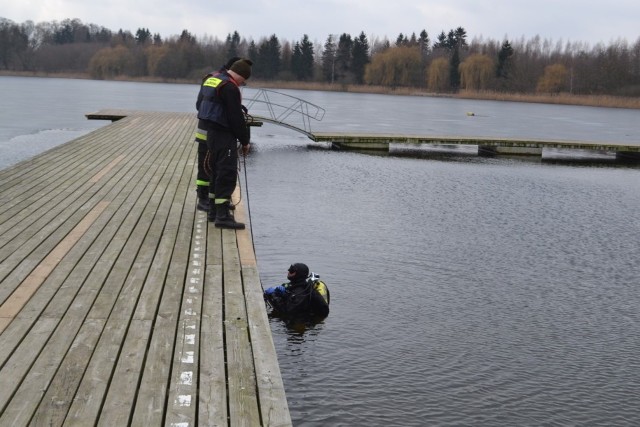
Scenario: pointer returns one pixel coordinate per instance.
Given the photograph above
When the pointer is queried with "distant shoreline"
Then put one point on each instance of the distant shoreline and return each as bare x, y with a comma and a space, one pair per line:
605, 101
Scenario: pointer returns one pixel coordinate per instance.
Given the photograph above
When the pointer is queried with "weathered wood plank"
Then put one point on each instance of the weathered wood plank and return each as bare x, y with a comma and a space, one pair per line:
80, 269
273, 403
54, 406
122, 391
78, 265
90, 231
122, 388
23, 293
155, 381
28, 201
243, 404
212, 400
45, 164
46, 232
27, 397
79, 368
150, 315
62, 341
127, 275
183, 388
20, 362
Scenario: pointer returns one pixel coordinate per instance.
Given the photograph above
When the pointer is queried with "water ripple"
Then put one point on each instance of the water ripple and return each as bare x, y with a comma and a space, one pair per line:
463, 294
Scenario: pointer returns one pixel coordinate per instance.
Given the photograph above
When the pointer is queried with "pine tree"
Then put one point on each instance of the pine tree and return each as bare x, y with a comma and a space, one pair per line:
232, 43
143, 35
441, 42
506, 52
306, 59
359, 57
343, 58
454, 66
329, 60
252, 51
413, 41
460, 37
296, 62
424, 42
268, 59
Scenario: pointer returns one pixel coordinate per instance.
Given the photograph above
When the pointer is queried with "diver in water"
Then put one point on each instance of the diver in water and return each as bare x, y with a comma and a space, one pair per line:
304, 295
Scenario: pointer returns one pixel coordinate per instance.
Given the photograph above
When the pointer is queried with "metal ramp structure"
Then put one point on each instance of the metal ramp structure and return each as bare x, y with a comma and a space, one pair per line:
283, 110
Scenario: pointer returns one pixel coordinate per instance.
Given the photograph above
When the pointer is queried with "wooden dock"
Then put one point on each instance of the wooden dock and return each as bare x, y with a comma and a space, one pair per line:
119, 303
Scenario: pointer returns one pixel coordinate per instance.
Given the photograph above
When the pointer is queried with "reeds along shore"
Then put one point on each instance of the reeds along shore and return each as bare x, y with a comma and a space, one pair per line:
606, 101
561, 98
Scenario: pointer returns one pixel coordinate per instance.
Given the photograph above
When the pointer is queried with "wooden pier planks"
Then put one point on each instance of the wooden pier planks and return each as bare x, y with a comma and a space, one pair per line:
119, 303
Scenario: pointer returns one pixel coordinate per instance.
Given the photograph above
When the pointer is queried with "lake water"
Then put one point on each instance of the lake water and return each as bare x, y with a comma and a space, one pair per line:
465, 291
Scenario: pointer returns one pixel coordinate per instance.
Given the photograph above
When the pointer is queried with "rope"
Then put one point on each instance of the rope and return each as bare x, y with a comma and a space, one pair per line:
207, 169
246, 189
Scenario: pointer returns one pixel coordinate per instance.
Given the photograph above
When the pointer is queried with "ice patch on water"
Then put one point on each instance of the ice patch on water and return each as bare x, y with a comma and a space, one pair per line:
18, 148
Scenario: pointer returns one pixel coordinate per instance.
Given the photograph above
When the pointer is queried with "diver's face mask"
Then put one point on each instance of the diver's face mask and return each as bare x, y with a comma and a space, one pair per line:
291, 273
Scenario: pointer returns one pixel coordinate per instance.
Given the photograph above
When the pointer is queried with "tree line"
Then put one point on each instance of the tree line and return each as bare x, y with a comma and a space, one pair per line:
448, 63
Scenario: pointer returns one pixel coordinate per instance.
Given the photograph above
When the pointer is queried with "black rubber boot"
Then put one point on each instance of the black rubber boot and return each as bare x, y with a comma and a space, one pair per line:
224, 218
211, 214
204, 203
203, 198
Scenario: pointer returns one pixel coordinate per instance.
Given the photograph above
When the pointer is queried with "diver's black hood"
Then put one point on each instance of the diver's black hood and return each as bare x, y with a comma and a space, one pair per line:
301, 270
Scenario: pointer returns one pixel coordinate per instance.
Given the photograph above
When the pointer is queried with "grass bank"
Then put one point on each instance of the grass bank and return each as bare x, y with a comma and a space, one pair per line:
606, 101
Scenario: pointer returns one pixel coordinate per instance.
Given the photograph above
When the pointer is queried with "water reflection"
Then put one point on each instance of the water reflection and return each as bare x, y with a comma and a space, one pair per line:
297, 329
467, 290
296, 325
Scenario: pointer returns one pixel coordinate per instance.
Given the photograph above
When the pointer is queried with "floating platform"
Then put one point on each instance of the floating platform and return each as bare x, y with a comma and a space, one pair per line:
486, 146
119, 303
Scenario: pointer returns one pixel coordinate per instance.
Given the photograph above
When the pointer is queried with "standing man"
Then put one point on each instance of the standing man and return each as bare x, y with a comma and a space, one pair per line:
202, 181
219, 107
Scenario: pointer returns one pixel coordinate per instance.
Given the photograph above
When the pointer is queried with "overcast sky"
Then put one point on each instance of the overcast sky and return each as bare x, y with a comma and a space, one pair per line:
585, 21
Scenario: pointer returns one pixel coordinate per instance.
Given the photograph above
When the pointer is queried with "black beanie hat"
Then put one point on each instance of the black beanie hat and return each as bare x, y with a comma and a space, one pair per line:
231, 61
242, 67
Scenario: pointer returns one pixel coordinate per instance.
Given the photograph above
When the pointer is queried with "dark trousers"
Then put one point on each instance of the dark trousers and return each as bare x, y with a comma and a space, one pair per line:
202, 181
223, 164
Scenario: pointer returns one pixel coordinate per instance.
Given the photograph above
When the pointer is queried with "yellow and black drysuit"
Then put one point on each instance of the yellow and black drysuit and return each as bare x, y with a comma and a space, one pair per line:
303, 296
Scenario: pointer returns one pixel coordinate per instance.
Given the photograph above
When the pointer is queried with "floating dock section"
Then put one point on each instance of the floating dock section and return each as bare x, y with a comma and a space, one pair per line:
486, 146
119, 303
